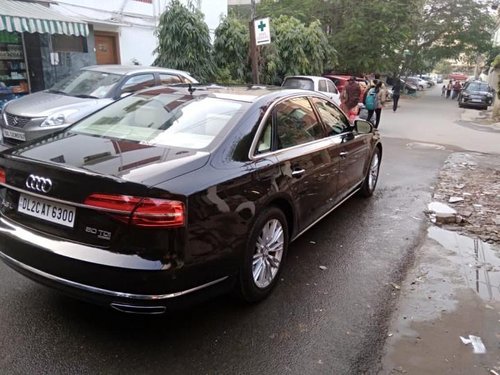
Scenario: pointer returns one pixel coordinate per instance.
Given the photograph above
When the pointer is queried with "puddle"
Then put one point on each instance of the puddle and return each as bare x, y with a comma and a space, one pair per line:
478, 261
423, 146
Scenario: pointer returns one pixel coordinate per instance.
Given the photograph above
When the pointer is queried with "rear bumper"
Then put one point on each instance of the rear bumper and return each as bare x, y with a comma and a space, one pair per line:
105, 279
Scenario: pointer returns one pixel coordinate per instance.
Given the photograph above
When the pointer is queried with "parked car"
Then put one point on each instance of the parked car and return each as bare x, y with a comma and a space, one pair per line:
174, 192
69, 100
416, 81
476, 94
458, 77
341, 81
313, 83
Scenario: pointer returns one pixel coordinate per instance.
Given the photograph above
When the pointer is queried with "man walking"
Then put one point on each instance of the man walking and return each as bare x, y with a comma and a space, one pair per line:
396, 92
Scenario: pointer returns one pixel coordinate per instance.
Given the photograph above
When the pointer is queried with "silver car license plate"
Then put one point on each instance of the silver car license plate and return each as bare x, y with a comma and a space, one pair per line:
20, 136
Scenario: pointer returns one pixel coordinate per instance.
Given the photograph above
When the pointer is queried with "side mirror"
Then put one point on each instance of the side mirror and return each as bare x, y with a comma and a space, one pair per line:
363, 126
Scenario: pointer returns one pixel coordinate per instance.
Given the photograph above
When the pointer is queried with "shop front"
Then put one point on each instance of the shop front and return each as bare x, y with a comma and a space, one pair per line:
38, 47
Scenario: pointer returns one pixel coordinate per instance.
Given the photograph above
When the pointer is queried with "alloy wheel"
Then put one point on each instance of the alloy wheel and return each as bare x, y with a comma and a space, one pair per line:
373, 173
268, 253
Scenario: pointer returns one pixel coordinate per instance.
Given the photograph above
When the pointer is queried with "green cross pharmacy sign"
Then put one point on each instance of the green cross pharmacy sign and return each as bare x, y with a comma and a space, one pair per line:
262, 31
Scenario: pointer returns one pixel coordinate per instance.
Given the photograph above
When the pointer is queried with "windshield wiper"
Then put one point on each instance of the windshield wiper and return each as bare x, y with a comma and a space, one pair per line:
57, 92
86, 96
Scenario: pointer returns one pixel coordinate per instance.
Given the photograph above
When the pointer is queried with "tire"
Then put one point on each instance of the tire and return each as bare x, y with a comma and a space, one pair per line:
371, 178
264, 256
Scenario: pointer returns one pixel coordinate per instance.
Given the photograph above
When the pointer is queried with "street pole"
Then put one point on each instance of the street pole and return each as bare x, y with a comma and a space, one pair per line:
254, 51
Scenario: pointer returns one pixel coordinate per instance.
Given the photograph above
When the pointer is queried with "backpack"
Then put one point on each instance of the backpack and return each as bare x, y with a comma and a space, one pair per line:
371, 100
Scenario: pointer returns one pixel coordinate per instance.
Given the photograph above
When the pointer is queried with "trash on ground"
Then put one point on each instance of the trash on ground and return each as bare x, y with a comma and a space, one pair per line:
323, 268
476, 342
441, 213
312, 242
395, 286
455, 199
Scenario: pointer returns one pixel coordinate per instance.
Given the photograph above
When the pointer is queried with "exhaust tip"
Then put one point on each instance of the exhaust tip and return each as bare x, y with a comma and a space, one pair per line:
135, 309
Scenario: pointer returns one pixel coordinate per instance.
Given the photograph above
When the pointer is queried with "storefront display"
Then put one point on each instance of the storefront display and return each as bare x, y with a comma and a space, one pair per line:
13, 72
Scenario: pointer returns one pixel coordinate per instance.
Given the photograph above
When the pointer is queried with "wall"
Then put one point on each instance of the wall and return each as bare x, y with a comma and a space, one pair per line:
137, 22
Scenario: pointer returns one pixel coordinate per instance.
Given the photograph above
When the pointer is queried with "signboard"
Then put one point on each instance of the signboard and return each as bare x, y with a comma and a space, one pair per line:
262, 31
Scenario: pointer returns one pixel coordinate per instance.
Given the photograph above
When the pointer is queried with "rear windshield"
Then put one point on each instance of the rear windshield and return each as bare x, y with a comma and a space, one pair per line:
299, 83
163, 120
476, 86
87, 83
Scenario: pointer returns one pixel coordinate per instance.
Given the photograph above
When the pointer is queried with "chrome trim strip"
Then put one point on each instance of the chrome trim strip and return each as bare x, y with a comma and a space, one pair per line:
325, 214
112, 293
62, 201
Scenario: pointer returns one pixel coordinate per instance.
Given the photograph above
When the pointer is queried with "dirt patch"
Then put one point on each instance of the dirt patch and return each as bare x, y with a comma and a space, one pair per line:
470, 183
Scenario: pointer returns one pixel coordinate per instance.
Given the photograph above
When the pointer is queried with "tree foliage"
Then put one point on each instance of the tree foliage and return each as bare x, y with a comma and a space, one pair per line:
184, 41
394, 35
231, 47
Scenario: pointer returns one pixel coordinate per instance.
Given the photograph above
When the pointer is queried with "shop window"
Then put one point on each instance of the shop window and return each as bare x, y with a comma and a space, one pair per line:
65, 43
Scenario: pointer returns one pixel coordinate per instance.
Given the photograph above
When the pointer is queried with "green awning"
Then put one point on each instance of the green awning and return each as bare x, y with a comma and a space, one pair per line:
35, 18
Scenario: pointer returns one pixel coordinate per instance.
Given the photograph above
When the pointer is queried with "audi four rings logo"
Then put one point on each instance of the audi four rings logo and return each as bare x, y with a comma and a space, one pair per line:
37, 183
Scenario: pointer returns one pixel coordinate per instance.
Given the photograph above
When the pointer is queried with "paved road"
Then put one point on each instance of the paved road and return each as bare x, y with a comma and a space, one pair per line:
329, 321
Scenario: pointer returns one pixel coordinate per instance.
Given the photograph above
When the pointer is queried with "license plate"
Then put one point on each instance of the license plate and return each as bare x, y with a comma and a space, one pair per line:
47, 210
476, 100
13, 134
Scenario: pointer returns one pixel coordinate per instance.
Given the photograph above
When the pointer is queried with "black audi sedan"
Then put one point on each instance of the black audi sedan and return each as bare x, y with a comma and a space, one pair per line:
476, 94
176, 192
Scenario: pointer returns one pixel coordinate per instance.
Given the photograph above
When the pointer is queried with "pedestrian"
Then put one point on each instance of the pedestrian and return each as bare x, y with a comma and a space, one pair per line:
374, 102
443, 90
449, 86
457, 87
350, 98
396, 92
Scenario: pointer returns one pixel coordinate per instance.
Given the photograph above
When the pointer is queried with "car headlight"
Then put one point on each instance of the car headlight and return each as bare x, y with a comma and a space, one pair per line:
489, 95
465, 94
58, 118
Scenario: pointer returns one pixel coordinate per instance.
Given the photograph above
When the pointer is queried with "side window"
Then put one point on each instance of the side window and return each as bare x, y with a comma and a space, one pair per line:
265, 140
322, 85
333, 118
138, 82
331, 87
169, 79
296, 123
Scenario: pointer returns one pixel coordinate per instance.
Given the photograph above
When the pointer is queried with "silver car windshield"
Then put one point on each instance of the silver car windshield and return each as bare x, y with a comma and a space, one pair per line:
163, 120
87, 84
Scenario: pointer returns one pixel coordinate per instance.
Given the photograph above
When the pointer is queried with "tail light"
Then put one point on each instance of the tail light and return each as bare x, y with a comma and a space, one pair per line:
3, 179
140, 211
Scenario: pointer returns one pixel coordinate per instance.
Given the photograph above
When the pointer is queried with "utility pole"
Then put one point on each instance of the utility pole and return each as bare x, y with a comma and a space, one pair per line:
254, 51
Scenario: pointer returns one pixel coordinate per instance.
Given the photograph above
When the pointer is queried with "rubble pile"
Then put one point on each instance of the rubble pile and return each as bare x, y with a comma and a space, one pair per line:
469, 184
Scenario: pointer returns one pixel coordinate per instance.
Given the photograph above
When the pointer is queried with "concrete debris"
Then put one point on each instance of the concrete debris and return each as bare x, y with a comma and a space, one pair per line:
312, 242
473, 178
441, 213
323, 268
477, 344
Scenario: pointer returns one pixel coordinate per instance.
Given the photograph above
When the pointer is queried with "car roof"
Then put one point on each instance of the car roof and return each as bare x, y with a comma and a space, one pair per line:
308, 77
249, 94
132, 69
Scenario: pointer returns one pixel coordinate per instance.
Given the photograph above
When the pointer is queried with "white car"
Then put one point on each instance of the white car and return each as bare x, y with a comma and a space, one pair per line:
313, 83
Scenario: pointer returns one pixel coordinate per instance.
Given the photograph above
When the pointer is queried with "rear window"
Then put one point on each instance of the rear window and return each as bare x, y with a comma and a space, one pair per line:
163, 120
299, 83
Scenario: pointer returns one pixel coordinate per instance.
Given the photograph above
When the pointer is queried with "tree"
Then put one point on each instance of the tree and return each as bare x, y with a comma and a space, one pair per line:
231, 47
295, 49
184, 41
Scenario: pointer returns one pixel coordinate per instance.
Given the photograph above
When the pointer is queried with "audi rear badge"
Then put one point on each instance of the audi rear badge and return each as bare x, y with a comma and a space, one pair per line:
37, 183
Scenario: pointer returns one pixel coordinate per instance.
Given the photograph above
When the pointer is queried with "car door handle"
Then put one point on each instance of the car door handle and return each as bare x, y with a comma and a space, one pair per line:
298, 172
343, 154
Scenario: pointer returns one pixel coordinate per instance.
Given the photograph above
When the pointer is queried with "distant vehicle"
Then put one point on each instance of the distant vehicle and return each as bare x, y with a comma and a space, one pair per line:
439, 78
476, 94
418, 82
313, 83
69, 100
458, 76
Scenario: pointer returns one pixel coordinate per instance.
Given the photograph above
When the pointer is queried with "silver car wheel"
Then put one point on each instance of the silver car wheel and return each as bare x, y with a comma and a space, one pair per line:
268, 253
373, 173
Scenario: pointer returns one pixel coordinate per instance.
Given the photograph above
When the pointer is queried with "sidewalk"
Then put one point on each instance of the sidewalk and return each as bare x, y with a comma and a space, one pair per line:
453, 289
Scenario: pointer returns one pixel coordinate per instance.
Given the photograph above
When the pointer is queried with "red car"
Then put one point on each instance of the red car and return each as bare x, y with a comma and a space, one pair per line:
341, 81
457, 77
